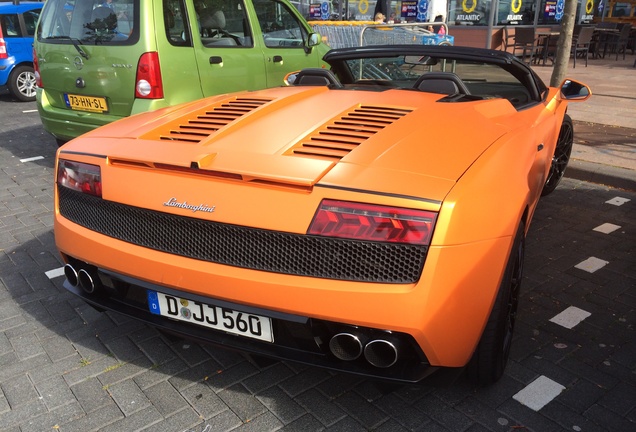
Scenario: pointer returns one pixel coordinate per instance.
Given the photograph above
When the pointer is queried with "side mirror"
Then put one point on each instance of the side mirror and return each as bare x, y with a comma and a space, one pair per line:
313, 40
575, 91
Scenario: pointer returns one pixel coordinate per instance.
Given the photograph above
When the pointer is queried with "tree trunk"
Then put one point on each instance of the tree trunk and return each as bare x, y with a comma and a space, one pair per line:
564, 44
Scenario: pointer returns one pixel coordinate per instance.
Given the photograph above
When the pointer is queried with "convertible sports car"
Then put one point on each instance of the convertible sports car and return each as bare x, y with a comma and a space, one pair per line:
368, 218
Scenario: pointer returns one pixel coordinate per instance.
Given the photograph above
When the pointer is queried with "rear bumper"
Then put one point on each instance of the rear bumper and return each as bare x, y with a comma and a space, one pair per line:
66, 124
298, 338
5, 70
444, 313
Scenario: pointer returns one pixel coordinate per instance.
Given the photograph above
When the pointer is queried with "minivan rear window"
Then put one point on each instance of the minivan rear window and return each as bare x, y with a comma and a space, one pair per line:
99, 22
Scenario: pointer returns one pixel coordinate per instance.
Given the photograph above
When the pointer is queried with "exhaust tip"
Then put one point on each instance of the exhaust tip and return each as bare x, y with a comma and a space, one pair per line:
71, 274
86, 281
345, 346
381, 353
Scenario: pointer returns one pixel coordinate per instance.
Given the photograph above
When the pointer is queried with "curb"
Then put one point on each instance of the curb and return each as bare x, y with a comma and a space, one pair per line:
611, 176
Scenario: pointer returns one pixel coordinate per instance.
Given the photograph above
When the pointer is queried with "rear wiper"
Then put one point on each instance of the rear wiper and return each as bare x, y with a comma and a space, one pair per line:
76, 43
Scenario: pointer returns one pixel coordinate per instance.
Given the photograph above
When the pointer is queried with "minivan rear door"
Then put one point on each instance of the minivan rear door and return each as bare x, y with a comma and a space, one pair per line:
88, 53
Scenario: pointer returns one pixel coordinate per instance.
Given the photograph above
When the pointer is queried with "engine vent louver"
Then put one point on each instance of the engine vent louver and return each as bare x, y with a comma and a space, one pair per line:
198, 126
336, 139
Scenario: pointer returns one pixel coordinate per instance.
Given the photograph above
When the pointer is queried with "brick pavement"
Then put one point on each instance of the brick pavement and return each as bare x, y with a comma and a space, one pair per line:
63, 366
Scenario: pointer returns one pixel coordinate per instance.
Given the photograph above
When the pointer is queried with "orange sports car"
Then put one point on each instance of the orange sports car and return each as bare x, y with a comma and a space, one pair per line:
368, 217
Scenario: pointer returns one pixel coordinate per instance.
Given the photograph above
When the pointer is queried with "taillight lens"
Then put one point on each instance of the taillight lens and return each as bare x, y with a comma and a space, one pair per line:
36, 69
148, 83
373, 222
80, 177
3, 47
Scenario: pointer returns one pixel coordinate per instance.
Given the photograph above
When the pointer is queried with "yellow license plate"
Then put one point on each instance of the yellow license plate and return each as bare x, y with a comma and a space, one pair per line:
86, 103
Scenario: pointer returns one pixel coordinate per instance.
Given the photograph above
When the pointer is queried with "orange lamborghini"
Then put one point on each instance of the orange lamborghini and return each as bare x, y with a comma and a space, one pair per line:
368, 217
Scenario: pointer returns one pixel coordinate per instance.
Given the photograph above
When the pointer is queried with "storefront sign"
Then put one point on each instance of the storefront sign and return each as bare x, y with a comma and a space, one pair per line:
560, 6
314, 11
409, 10
514, 16
588, 16
422, 10
325, 10
468, 14
549, 12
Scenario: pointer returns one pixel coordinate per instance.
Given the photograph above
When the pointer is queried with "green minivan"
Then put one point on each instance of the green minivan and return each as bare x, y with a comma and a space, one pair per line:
97, 61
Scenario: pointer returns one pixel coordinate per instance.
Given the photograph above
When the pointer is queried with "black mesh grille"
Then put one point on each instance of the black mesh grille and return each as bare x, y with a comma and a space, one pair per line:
239, 246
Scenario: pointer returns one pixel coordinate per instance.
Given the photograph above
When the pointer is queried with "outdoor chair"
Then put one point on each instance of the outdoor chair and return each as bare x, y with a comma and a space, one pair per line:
581, 44
618, 42
523, 40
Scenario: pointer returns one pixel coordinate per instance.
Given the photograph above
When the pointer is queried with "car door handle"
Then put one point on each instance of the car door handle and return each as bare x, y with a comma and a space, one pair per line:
540, 147
277, 59
216, 60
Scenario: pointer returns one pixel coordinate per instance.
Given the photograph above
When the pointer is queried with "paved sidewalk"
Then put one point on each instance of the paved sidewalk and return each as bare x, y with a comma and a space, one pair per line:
605, 126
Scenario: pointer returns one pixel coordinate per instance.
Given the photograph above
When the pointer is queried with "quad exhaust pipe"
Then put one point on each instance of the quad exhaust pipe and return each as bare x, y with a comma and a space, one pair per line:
86, 278
381, 353
71, 275
345, 346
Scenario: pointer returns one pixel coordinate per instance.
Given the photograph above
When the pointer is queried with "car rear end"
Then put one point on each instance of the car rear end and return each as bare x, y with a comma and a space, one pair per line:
94, 63
264, 235
17, 26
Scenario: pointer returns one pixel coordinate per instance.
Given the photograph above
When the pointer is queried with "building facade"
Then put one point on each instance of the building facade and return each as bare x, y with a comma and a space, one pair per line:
472, 21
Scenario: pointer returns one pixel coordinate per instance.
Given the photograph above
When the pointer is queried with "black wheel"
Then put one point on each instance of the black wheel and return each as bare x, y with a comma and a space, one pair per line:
491, 356
22, 83
561, 156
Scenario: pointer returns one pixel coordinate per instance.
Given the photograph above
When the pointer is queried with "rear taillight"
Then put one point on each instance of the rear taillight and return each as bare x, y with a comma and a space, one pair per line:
80, 177
36, 69
148, 84
3, 46
373, 222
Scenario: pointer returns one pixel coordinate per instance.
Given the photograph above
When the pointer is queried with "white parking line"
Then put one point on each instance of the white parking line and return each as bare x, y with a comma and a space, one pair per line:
51, 274
591, 264
29, 111
539, 393
606, 228
31, 159
617, 201
570, 317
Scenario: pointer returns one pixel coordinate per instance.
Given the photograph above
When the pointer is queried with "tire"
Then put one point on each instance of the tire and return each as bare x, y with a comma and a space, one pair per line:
22, 83
561, 156
491, 356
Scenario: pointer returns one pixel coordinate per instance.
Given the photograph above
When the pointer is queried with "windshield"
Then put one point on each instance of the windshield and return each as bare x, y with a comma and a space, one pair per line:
109, 22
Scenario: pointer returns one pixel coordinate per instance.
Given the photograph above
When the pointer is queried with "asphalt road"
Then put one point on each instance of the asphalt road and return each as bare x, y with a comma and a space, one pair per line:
65, 367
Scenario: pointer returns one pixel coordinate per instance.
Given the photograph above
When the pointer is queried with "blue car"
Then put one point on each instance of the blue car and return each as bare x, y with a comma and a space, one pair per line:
17, 27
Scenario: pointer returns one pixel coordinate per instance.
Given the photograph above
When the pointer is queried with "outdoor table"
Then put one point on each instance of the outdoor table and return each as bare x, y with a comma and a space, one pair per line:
544, 39
600, 37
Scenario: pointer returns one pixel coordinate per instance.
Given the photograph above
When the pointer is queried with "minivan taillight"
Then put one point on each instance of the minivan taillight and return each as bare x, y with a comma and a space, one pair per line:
148, 84
36, 69
3, 46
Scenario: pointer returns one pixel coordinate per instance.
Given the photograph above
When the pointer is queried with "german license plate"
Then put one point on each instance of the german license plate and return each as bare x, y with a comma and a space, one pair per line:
86, 103
215, 317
